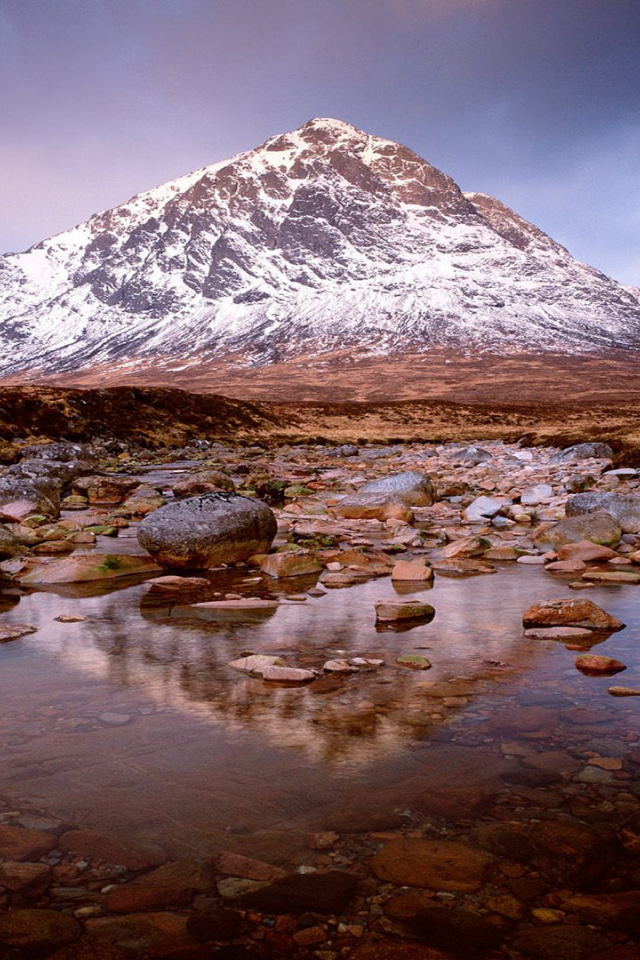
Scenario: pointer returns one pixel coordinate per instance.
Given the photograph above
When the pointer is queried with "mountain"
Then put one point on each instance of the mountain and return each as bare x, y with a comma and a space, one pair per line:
324, 239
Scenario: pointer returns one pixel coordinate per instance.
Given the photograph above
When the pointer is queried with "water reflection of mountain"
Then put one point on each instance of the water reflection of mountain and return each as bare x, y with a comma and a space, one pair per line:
355, 720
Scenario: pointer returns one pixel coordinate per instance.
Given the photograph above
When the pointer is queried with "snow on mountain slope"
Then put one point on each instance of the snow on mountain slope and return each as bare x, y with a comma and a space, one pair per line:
320, 239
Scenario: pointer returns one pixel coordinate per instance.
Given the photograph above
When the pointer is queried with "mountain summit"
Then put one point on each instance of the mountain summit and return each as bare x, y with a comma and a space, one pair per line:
319, 240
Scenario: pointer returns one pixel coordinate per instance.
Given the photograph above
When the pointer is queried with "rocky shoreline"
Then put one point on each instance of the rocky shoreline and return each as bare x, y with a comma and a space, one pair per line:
520, 837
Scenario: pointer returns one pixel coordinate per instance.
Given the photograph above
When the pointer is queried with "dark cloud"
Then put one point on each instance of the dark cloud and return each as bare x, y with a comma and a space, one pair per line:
537, 101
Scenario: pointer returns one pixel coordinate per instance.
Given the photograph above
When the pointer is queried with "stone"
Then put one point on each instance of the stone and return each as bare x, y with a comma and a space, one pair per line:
412, 570
13, 631
395, 950
20, 844
150, 935
586, 451
301, 893
459, 931
436, 864
37, 930
579, 613
624, 509
539, 493
22, 497
372, 506
585, 550
623, 692
340, 666
594, 665
171, 886
558, 942
86, 567
89, 949
563, 634
28, 879
462, 568
472, 455
174, 583
216, 923
255, 664
112, 850
414, 662
612, 576
599, 528
201, 532
466, 547
413, 488
203, 480
109, 491
392, 611
9, 545
235, 865
290, 563
566, 566
482, 508
275, 674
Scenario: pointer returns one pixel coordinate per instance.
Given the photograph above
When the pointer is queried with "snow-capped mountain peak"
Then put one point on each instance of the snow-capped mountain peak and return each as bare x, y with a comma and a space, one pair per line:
323, 238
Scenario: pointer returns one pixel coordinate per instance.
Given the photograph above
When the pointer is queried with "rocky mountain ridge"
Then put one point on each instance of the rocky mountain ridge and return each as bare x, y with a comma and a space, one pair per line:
322, 239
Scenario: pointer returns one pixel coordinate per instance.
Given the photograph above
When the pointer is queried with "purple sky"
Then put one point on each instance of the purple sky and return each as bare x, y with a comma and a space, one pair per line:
534, 101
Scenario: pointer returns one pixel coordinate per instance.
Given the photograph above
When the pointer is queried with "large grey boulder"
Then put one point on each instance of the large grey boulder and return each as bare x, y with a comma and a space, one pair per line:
60, 451
413, 488
21, 497
624, 508
599, 528
201, 532
57, 471
472, 455
586, 451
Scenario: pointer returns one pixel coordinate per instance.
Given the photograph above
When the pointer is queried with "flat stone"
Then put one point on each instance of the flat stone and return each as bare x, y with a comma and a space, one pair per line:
458, 930
436, 864
290, 563
36, 930
592, 664
276, 674
563, 634
216, 923
340, 666
301, 893
578, 613
586, 551
112, 850
390, 611
414, 662
612, 576
462, 567
235, 865
623, 692
412, 570
151, 935
30, 879
559, 942
86, 567
256, 664
566, 566
19, 843
13, 631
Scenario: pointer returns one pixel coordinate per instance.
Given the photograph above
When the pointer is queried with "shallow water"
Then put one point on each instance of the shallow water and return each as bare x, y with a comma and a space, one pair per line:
197, 752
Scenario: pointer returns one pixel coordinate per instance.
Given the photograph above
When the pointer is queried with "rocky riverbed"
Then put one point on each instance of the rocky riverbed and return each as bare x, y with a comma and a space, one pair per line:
313, 701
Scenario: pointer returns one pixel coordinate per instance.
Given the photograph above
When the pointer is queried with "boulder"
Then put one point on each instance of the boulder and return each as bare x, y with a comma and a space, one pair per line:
372, 506
208, 530
600, 528
19, 843
585, 550
105, 490
205, 480
472, 455
303, 893
30, 880
9, 545
62, 451
586, 451
85, 567
412, 570
21, 497
565, 613
539, 493
435, 864
392, 611
413, 488
34, 931
625, 509
290, 563
592, 664
482, 508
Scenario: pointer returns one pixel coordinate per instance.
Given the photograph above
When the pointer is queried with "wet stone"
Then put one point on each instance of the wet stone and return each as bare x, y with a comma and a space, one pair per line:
435, 864
559, 942
300, 893
37, 930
